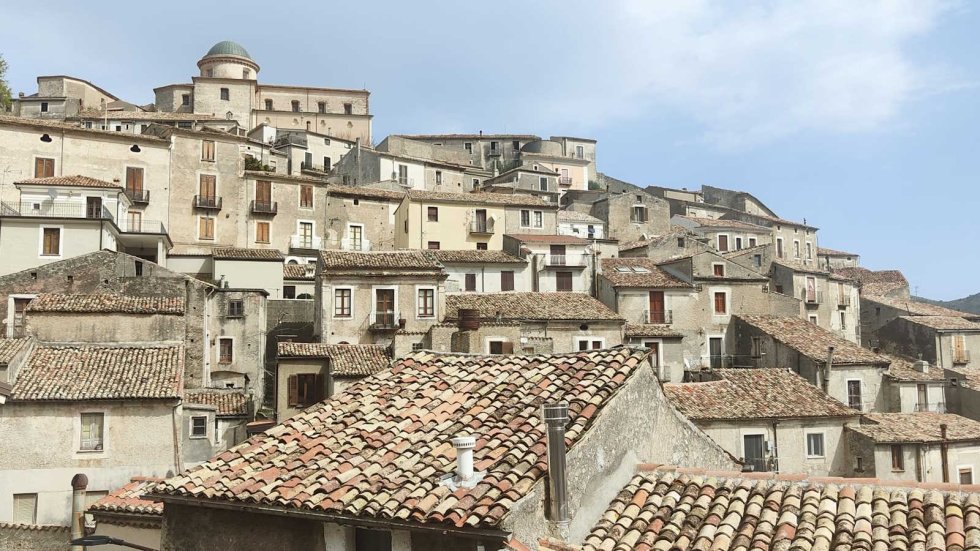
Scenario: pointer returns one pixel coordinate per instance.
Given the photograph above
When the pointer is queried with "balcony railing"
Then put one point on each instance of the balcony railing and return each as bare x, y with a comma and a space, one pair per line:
720, 361
658, 316
303, 165
264, 207
355, 244
843, 301
565, 180
495, 152
815, 297
56, 209
138, 196
935, 407
207, 202
384, 321
304, 242
567, 260
481, 226
961, 356
144, 226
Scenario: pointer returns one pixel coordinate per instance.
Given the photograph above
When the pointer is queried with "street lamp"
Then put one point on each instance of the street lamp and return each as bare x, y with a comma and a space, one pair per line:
92, 541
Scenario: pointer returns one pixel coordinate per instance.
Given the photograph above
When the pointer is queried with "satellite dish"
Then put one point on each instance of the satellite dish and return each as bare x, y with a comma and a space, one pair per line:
52, 193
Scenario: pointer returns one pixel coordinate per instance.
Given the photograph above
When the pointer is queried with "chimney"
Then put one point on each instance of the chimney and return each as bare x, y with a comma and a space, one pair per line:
464, 460
944, 451
555, 417
921, 366
78, 484
826, 369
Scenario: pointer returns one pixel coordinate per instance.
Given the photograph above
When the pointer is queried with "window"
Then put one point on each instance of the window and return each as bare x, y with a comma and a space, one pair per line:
403, 175
738, 243
261, 232
199, 426
470, 282
226, 350
268, 105
814, 444
843, 320
43, 168
306, 196
516, 144
50, 241
295, 105
342, 303
246, 74
590, 344
92, 426
721, 303
854, 394
494, 146
898, 458
427, 303
638, 214
236, 308
476, 183
718, 270
538, 219
579, 152
501, 347
348, 109
224, 94
208, 189
563, 281
134, 180
756, 347
327, 163
752, 242
757, 260
809, 251
966, 475
680, 242
305, 235
468, 147
723, 243
433, 245
205, 227
438, 177
813, 320
525, 218
185, 99
355, 237
288, 291
481, 246
507, 281
44, 107
796, 249
543, 183
304, 389
138, 268
779, 247
25, 509
321, 106
207, 150
433, 214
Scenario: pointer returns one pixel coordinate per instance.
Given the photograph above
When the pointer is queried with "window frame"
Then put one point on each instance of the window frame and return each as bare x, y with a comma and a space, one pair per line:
212, 224
190, 427
525, 220
46, 162
432, 214
350, 305
306, 189
589, 341
420, 312
860, 395
559, 276
715, 269
225, 94
467, 278
41, 241
714, 302
233, 305
898, 453
538, 219
268, 231
208, 150
823, 444
102, 446
512, 276
221, 355
25, 495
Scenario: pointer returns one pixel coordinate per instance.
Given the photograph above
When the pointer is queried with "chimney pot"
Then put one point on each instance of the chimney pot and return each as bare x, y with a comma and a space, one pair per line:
555, 417
464, 457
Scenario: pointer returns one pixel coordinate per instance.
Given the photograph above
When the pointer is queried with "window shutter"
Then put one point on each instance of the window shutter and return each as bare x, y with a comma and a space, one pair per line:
317, 388
507, 347
38, 168
293, 385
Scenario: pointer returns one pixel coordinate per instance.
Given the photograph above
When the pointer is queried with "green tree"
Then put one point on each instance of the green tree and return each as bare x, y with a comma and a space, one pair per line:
5, 96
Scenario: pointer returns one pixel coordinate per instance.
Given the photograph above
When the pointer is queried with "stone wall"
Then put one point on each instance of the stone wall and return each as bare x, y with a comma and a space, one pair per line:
19, 537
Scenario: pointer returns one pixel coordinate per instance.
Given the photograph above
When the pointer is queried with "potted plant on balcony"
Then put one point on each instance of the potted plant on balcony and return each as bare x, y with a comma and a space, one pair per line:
401, 323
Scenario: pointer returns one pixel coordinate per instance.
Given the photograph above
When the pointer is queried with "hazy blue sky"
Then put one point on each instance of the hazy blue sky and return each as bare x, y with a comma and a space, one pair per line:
861, 117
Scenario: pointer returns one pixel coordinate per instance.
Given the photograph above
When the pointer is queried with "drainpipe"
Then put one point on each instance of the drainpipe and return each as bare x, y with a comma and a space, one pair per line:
555, 417
825, 376
78, 484
918, 463
175, 428
944, 451
775, 444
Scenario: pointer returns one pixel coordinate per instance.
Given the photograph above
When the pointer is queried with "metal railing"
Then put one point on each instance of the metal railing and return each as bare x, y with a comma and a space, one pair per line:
144, 226
355, 244
961, 356
843, 300
384, 321
718, 361
658, 316
264, 207
304, 242
481, 226
207, 202
935, 407
303, 165
138, 196
571, 260
56, 209
565, 180
815, 297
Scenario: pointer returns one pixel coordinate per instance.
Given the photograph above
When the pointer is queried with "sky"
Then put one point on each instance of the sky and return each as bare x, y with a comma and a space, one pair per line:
860, 117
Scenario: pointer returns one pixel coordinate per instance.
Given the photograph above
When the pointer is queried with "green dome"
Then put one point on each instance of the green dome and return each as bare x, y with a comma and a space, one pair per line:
227, 47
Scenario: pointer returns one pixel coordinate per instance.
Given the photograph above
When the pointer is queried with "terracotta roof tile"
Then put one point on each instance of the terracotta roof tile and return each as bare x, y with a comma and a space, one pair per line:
576, 216
365, 451
921, 426
370, 193
383, 260
106, 304
101, 372
874, 283
651, 330
529, 305
229, 403
944, 323
482, 198
903, 369
638, 272
11, 347
550, 239
481, 136
129, 499
916, 308
305, 272
71, 181
231, 253
351, 360
968, 377
812, 341
663, 510
721, 223
476, 257
146, 116
823, 251
753, 394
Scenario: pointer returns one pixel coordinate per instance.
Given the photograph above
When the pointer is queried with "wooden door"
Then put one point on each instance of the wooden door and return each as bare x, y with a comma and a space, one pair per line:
755, 452
263, 192
385, 307
557, 253
654, 348
714, 351
208, 187
657, 314
481, 220
93, 207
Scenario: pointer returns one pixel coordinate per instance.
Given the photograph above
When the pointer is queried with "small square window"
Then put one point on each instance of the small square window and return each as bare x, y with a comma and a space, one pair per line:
226, 350
433, 214
814, 444
236, 308
199, 426
348, 109
225, 94
92, 430
433, 245
185, 99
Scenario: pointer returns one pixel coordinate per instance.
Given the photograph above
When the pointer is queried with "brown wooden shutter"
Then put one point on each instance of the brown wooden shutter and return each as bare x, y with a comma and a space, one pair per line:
134, 179
293, 386
506, 281
507, 347
263, 192
720, 303
318, 381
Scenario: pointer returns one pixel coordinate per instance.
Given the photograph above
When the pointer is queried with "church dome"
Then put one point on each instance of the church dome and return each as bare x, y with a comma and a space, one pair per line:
227, 47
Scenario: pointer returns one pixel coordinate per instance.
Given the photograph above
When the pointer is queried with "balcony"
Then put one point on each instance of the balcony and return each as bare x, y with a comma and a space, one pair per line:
303, 165
843, 301
961, 356
566, 261
138, 196
658, 317
207, 202
348, 244
145, 226
495, 152
55, 209
564, 180
934, 407
264, 207
384, 321
304, 242
815, 297
481, 226
722, 361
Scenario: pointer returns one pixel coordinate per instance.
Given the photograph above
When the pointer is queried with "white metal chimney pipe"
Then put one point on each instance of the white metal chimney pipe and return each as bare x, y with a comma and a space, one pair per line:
464, 456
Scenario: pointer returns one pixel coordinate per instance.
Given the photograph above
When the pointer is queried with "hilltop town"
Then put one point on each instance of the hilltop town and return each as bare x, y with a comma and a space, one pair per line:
234, 317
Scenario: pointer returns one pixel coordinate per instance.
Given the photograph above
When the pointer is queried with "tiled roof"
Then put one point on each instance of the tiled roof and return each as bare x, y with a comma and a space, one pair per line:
549, 239
71, 181
380, 449
765, 393
371, 193
299, 271
106, 304
383, 260
921, 426
968, 377
227, 402
875, 283
470, 136
719, 223
916, 308
129, 498
476, 257
101, 372
943, 323
663, 510
651, 330
823, 251
529, 305
75, 128
576, 216
11, 347
630, 245
482, 198
903, 369
146, 116
649, 274
350, 360
231, 253
798, 266
812, 341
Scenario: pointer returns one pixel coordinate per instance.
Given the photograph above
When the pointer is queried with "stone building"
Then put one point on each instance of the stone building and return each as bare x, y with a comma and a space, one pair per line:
528, 179
879, 311
409, 494
920, 446
488, 271
123, 513
915, 385
307, 152
726, 235
771, 419
827, 299
632, 216
360, 218
881, 283
831, 259
137, 120
61, 96
842, 369
487, 151
948, 342
556, 262
580, 224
